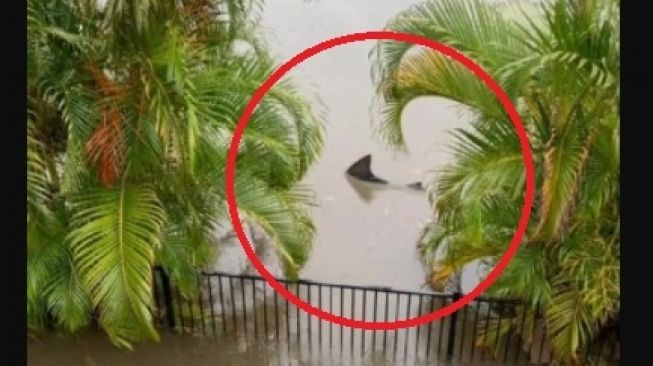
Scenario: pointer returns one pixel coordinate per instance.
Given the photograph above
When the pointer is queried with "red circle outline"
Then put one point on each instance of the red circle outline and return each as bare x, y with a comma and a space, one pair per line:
401, 37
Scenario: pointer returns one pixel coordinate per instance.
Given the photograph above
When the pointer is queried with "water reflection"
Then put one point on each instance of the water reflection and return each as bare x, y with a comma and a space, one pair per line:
92, 349
365, 191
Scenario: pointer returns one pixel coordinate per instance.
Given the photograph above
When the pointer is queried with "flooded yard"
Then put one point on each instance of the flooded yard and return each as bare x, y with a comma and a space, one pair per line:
130, 102
359, 225
366, 234
92, 349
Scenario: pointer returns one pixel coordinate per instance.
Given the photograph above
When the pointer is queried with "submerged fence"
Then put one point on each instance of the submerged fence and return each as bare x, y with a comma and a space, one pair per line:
246, 307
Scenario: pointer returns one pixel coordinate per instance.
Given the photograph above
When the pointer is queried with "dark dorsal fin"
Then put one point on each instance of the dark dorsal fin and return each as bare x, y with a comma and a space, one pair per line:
362, 169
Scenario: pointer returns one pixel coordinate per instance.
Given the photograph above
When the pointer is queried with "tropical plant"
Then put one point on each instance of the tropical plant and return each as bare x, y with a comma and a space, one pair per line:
131, 105
560, 67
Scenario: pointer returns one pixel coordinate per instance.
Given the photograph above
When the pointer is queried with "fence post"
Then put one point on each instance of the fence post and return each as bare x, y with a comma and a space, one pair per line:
167, 298
453, 323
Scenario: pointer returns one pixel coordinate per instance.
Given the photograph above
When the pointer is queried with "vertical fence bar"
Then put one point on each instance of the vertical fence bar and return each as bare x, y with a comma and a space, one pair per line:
309, 318
254, 308
189, 304
180, 309
208, 280
474, 331
265, 310
452, 327
352, 311
223, 308
342, 313
418, 328
200, 303
287, 319
462, 333
407, 333
331, 323
167, 299
233, 304
364, 319
376, 297
385, 318
396, 332
276, 313
299, 330
428, 336
441, 330
244, 305
320, 323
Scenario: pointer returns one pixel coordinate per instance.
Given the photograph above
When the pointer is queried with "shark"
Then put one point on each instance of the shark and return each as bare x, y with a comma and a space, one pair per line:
362, 171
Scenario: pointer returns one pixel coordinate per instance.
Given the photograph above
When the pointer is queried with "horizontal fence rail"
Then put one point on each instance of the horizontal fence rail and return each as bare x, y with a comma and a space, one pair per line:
247, 307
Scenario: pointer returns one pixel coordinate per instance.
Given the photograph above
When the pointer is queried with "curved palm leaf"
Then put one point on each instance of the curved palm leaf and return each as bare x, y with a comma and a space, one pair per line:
113, 237
472, 27
282, 218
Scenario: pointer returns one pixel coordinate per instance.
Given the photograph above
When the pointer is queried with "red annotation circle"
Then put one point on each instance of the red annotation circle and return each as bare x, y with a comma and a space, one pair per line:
401, 37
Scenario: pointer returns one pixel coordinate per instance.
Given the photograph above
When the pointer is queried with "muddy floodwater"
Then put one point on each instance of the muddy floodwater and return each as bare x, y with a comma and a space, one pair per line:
366, 233
92, 349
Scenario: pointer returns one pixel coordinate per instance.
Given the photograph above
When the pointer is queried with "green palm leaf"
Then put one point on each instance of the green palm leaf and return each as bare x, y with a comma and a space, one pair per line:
569, 322
488, 160
65, 297
472, 27
282, 218
37, 181
113, 237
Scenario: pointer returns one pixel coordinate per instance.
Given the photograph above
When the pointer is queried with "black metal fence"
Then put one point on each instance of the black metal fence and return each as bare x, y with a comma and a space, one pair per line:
246, 307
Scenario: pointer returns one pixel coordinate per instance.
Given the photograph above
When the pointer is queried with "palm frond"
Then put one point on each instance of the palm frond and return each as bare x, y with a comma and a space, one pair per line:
487, 160
45, 235
564, 162
113, 238
472, 27
569, 322
65, 296
37, 181
281, 217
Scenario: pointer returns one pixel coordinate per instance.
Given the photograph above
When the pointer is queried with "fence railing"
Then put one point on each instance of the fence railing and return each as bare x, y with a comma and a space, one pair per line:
245, 306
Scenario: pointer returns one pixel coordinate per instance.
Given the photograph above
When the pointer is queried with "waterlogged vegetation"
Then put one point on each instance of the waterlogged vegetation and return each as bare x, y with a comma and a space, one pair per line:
561, 69
131, 105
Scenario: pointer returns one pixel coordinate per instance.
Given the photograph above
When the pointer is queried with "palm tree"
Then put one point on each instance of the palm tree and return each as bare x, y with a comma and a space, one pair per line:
131, 105
561, 69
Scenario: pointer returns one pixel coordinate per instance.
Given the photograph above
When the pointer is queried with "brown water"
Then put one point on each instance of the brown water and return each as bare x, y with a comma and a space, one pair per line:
366, 235
91, 349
